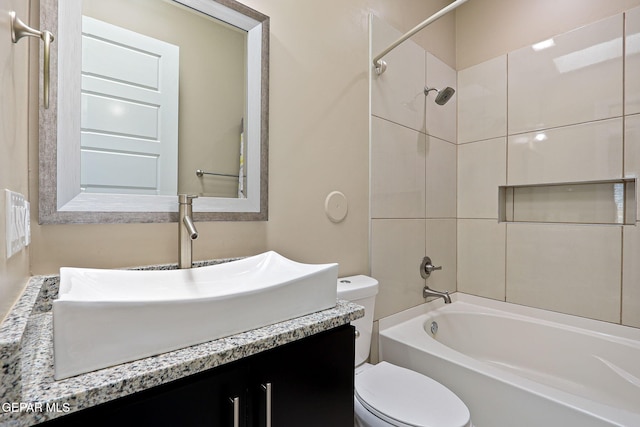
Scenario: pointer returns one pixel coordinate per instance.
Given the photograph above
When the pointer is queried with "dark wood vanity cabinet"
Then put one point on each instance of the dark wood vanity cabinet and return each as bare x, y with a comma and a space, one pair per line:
306, 383
311, 382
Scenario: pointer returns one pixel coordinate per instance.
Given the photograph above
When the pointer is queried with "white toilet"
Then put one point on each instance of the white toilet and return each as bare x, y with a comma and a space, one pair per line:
389, 395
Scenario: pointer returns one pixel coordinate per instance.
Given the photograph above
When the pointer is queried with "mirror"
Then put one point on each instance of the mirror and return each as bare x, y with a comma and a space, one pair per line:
94, 134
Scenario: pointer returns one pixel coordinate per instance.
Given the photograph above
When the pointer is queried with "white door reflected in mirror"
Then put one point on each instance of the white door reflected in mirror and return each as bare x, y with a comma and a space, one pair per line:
129, 119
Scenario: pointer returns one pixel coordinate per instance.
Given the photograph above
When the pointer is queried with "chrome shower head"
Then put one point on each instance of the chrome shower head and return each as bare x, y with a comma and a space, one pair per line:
444, 95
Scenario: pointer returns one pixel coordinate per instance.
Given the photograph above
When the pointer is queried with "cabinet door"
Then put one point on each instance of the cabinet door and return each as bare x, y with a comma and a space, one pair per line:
311, 382
203, 399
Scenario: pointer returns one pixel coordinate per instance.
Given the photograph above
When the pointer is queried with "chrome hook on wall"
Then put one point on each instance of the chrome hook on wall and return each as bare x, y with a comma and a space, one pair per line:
19, 30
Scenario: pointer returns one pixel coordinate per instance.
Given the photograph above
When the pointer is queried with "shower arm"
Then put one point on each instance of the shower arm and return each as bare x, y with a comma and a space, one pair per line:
380, 66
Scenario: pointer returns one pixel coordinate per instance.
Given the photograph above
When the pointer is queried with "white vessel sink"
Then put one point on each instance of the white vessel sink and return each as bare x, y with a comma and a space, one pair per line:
107, 317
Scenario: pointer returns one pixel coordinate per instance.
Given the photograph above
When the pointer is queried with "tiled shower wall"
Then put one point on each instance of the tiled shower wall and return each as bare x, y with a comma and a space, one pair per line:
566, 113
413, 174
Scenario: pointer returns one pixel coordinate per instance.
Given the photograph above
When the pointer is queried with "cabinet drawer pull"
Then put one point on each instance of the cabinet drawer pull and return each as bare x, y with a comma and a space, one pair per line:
235, 401
267, 388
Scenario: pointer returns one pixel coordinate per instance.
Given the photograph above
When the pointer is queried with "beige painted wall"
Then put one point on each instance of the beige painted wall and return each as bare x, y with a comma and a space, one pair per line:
318, 143
14, 88
486, 29
439, 38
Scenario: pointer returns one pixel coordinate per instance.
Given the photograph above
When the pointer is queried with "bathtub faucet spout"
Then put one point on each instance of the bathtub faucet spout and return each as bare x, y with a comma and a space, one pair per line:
428, 292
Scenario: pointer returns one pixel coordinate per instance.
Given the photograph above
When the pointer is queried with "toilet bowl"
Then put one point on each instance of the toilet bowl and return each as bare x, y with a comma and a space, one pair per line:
389, 395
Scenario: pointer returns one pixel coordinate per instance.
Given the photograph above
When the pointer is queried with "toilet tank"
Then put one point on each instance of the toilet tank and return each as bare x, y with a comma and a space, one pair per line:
361, 290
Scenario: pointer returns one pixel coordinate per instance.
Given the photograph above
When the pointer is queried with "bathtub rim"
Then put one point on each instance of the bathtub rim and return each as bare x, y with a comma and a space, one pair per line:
600, 327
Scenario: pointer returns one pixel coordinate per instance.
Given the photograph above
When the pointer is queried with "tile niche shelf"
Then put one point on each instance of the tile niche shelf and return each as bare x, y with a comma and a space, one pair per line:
597, 202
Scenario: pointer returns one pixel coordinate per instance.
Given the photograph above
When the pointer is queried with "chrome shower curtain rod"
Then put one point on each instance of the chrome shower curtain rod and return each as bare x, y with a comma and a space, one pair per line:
380, 66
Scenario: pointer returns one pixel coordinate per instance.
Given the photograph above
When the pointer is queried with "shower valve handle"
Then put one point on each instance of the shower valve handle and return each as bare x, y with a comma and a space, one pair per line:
426, 268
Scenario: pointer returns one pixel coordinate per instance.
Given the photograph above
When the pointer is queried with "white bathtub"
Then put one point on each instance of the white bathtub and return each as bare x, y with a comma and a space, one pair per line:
516, 366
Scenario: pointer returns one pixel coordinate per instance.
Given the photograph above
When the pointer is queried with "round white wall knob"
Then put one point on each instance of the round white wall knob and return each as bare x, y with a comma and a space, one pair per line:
336, 206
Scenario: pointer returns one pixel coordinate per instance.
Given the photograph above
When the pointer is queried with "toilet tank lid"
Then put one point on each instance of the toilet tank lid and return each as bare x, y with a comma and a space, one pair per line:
352, 288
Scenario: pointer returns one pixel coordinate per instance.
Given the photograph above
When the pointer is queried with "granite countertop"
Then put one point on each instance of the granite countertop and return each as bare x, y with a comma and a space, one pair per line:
29, 394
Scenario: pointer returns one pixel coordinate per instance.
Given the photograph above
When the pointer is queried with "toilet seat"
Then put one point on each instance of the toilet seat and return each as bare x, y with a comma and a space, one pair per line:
403, 397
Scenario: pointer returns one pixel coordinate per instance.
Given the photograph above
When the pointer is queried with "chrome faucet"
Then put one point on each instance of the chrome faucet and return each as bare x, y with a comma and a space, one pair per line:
427, 292
186, 230
426, 268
